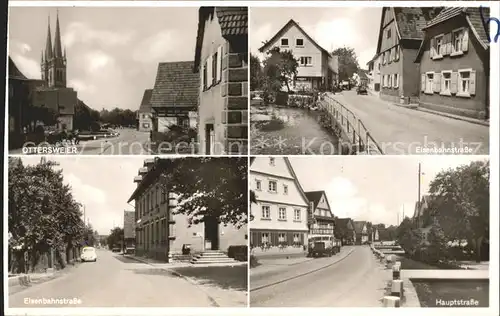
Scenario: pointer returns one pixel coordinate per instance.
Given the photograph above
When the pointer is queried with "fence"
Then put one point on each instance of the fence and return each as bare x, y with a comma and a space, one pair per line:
353, 127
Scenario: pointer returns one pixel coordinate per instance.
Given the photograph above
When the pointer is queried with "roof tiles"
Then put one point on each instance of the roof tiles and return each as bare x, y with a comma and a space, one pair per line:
146, 101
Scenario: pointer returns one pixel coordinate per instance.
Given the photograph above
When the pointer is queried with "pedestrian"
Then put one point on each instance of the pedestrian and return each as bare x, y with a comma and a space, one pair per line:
77, 136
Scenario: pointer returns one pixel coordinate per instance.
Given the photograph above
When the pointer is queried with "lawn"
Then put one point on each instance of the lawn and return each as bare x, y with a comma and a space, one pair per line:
226, 277
429, 291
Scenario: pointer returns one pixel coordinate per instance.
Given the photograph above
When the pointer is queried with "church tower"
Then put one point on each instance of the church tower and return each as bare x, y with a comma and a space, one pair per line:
53, 61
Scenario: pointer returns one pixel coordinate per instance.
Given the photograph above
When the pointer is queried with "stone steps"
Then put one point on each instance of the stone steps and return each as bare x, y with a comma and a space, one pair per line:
212, 257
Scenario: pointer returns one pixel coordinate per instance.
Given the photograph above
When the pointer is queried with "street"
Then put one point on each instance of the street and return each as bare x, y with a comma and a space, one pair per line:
115, 281
400, 130
356, 281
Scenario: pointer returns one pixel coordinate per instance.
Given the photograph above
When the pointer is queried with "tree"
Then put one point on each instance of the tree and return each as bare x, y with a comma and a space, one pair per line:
437, 248
115, 238
280, 68
208, 187
255, 73
85, 118
461, 204
42, 213
119, 116
348, 62
408, 238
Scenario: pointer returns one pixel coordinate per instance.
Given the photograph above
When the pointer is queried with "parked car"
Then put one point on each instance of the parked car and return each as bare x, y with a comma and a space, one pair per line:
88, 254
361, 90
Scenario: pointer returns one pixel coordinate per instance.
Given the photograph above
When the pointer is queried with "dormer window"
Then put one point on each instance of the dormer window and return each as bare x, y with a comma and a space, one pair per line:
284, 42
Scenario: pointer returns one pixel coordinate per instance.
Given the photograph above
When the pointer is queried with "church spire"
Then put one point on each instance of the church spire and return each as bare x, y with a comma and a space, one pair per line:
48, 44
57, 40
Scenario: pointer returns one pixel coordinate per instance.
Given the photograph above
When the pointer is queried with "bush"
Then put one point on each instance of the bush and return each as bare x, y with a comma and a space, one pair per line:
238, 252
298, 100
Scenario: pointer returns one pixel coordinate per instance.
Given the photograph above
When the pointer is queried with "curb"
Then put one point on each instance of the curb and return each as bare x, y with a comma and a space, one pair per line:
188, 279
302, 274
443, 114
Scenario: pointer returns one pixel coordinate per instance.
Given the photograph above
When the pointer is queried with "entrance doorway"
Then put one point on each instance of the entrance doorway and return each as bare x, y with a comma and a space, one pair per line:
211, 233
209, 139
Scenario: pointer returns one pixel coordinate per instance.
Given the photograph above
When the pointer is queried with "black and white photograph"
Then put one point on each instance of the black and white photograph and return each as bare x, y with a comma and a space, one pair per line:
370, 81
152, 232
138, 83
369, 232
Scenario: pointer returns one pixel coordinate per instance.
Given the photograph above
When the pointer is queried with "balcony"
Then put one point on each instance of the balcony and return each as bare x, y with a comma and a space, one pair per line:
322, 231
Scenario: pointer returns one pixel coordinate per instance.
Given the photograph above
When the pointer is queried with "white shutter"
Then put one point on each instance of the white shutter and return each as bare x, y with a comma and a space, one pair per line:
465, 41
422, 82
447, 44
472, 83
454, 82
437, 82
209, 72
431, 50
219, 64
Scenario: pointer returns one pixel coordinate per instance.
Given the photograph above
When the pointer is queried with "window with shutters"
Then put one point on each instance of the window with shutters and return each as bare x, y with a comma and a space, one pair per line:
282, 214
266, 212
438, 47
445, 82
429, 83
457, 39
466, 83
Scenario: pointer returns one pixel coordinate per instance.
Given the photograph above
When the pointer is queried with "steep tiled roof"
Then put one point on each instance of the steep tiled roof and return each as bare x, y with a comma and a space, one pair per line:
146, 101
341, 224
286, 28
176, 85
358, 226
411, 21
445, 14
363, 74
233, 22
314, 196
14, 72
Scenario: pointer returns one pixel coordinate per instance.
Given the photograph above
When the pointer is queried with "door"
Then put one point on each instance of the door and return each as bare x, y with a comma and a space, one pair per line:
209, 139
211, 233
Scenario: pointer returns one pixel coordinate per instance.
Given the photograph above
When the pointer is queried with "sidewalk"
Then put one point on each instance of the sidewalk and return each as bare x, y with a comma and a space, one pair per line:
445, 274
266, 275
20, 282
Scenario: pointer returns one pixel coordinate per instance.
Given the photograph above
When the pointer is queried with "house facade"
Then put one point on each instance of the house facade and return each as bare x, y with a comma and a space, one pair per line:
400, 36
174, 98
374, 74
344, 229
159, 233
361, 230
317, 67
323, 221
145, 112
221, 64
281, 216
454, 63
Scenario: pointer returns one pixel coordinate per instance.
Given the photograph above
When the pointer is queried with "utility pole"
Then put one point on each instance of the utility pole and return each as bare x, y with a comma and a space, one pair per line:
419, 198
84, 215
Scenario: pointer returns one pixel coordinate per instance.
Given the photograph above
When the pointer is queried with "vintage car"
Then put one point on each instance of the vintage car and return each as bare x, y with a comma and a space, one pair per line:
361, 90
320, 246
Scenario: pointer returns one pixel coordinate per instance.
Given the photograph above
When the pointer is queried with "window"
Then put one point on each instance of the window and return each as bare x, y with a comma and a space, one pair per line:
273, 186
459, 38
258, 185
446, 83
384, 58
396, 81
284, 42
282, 213
391, 55
285, 189
306, 61
296, 215
265, 237
429, 83
299, 42
396, 53
389, 33
281, 237
463, 83
296, 238
266, 212
205, 76
214, 69
437, 47
390, 81
271, 161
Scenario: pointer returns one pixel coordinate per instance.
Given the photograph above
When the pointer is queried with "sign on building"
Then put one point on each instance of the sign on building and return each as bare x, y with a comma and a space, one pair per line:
129, 224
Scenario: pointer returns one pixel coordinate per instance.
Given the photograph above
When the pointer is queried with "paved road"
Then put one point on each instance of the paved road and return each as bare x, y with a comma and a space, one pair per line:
389, 123
115, 281
356, 281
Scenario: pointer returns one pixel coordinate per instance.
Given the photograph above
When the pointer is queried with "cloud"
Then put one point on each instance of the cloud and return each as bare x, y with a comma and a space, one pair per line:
258, 35
78, 32
29, 67
343, 197
157, 47
365, 56
81, 86
335, 33
85, 192
23, 48
97, 60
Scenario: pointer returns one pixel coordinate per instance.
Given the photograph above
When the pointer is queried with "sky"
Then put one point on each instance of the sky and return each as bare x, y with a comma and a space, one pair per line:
374, 189
112, 53
331, 27
102, 184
